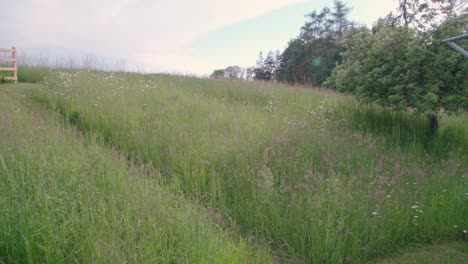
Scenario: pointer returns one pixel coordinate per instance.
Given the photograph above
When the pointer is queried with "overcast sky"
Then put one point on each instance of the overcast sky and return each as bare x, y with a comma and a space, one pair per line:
180, 36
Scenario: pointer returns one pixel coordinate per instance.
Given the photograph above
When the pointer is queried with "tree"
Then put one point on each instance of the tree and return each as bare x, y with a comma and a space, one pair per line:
404, 68
340, 20
277, 63
233, 72
218, 74
292, 69
265, 68
249, 73
269, 66
310, 58
259, 65
405, 6
317, 25
423, 15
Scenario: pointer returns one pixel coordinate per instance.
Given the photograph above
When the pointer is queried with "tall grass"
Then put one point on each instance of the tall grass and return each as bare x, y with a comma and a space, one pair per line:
65, 198
303, 170
408, 130
32, 74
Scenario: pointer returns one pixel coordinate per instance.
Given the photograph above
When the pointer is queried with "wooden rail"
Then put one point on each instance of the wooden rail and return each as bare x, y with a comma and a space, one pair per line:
13, 67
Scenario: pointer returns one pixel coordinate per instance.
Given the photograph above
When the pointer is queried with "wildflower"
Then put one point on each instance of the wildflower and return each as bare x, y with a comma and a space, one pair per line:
465, 231
455, 226
374, 213
414, 207
416, 216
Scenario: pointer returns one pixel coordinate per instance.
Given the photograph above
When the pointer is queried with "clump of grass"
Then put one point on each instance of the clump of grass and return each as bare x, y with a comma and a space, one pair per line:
65, 198
291, 166
408, 130
32, 74
444, 253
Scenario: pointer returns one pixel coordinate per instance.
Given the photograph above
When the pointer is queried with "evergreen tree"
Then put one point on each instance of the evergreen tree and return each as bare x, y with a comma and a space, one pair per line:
259, 67
269, 66
340, 20
310, 58
265, 68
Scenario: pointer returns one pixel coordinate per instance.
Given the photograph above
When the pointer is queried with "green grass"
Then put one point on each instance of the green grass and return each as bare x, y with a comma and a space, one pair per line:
308, 172
444, 253
26, 74
32, 74
66, 198
407, 130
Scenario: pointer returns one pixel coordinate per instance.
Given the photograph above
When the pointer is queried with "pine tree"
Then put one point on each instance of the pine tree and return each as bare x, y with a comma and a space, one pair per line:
269, 66
340, 20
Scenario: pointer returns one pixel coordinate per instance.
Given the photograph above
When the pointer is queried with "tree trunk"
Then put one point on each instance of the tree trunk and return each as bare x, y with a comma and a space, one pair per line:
433, 123
404, 11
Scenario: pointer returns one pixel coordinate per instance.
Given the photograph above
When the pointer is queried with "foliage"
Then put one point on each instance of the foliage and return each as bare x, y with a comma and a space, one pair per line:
310, 58
218, 73
3, 80
31, 74
266, 68
423, 15
404, 68
233, 72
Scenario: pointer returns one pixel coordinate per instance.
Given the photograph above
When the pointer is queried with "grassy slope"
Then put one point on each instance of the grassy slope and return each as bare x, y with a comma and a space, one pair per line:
445, 253
297, 168
67, 199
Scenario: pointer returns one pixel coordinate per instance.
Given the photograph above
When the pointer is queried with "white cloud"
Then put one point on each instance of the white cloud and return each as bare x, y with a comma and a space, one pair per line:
149, 33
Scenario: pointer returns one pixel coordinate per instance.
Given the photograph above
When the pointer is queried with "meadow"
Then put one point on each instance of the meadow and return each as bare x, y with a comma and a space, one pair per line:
128, 167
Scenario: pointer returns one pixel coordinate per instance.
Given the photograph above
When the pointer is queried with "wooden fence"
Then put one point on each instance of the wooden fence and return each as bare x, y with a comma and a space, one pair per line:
13, 66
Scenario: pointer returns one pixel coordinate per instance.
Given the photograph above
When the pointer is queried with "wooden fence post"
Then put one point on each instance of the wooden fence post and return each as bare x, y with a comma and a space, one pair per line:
13, 60
15, 65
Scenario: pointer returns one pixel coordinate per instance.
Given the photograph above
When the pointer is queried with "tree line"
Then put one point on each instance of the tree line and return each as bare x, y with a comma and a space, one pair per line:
399, 62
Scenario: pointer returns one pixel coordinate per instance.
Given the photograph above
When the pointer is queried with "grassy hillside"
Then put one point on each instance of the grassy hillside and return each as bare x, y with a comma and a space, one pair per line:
65, 198
445, 253
310, 174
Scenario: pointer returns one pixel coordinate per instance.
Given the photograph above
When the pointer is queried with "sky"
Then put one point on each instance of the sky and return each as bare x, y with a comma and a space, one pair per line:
172, 36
